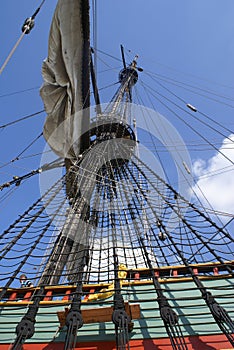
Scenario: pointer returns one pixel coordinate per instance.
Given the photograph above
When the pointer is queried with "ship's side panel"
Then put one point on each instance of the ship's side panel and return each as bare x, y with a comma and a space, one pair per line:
197, 323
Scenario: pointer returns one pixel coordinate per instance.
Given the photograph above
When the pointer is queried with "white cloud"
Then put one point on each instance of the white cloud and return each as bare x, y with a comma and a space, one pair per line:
215, 178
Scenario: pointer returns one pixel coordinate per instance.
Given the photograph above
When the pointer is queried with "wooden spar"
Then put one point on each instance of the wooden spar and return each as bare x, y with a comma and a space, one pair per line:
85, 68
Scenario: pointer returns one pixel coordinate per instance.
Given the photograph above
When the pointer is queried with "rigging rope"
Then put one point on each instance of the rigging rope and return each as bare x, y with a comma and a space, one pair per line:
174, 82
192, 128
21, 119
220, 315
25, 328
26, 29
168, 315
19, 92
24, 150
192, 115
130, 173
74, 319
195, 110
95, 32
18, 179
120, 318
130, 232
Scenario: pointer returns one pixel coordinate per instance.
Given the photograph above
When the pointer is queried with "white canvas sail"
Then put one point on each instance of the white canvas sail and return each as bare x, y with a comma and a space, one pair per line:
62, 92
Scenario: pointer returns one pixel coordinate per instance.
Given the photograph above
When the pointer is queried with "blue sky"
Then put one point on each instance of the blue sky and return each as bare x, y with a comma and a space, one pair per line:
189, 41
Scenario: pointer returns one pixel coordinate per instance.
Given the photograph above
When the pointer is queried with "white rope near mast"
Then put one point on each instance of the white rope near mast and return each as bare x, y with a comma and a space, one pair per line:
12, 52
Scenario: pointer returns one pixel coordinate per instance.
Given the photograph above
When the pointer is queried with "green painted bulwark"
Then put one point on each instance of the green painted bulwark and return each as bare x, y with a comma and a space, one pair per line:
194, 316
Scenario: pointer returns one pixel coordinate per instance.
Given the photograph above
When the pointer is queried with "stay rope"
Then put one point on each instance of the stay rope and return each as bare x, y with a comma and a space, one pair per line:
26, 29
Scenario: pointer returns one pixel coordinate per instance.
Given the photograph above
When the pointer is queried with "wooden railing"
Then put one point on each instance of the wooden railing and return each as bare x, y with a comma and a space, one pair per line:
62, 294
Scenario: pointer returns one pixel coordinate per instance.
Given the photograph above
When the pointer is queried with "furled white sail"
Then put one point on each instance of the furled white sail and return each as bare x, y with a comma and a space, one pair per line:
62, 92
65, 94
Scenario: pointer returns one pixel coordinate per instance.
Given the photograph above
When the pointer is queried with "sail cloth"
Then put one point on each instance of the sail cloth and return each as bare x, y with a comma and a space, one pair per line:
65, 91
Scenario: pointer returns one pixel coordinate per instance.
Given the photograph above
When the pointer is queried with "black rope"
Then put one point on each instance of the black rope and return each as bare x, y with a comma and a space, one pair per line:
106, 54
18, 179
19, 92
189, 124
26, 148
106, 188
74, 319
26, 327
95, 88
191, 205
220, 315
168, 315
30, 21
65, 247
120, 318
174, 82
193, 116
20, 119
55, 188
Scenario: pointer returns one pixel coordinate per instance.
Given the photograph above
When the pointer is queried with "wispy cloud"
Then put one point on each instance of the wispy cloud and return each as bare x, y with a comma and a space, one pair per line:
215, 178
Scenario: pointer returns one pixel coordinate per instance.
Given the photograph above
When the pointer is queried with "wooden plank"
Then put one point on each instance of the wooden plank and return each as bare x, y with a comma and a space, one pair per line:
101, 314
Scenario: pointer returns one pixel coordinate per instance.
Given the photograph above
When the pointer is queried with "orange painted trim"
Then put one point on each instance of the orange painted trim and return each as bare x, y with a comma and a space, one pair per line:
13, 296
67, 295
92, 291
48, 295
67, 290
27, 296
211, 342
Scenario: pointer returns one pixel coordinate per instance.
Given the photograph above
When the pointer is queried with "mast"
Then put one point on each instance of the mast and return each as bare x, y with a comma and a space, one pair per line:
85, 82
79, 67
111, 196
71, 244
